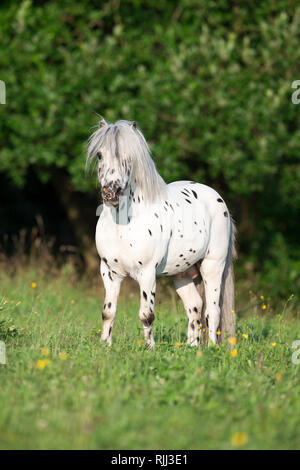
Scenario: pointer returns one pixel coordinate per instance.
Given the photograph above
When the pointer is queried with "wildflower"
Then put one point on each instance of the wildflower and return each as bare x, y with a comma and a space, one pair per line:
72, 301
33, 285
63, 356
218, 332
99, 331
42, 363
239, 439
199, 327
232, 341
274, 344
140, 341
244, 335
278, 377
234, 353
232, 311
199, 353
18, 303
177, 345
264, 307
6, 301
45, 351
262, 297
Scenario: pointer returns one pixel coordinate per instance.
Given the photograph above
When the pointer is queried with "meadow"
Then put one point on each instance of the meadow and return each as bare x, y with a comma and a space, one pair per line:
62, 389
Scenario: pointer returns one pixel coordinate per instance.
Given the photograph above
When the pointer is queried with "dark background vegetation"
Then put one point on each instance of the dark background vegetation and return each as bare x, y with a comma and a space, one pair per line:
209, 83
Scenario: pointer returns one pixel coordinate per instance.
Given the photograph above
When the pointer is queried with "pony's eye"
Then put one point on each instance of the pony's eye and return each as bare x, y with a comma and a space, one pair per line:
99, 155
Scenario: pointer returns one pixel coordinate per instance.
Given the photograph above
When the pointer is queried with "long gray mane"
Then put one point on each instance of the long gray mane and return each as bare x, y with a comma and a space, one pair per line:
126, 142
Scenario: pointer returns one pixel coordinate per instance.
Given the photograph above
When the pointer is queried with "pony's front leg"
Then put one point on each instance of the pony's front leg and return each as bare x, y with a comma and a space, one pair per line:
112, 284
147, 282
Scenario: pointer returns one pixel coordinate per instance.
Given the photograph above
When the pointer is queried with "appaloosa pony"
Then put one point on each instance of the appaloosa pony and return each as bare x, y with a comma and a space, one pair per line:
149, 228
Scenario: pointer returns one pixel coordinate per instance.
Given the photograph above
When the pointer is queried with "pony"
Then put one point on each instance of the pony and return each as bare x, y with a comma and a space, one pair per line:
148, 228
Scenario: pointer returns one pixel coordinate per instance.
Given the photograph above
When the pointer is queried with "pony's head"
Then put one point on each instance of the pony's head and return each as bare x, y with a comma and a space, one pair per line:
123, 155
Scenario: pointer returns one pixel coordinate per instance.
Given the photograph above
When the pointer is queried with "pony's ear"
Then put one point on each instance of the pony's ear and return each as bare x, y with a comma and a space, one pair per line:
133, 125
102, 123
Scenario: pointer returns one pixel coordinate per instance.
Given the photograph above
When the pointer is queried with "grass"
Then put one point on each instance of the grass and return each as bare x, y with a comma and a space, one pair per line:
91, 397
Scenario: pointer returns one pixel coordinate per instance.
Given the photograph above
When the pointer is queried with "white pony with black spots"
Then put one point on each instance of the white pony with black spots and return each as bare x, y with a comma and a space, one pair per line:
149, 228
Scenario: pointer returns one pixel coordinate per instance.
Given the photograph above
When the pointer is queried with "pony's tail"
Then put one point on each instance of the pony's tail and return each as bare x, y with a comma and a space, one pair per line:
228, 316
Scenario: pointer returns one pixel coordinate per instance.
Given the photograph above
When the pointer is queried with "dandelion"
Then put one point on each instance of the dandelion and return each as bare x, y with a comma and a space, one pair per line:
72, 301
140, 341
234, 353
33, 285
232, 311
239, 439
199, 327
278, 377
18, 303
218, 332
232, 341
42, 363
244, 335
262, 297
177, 345
45, 351
99, 331
6, 301
264, 307
63, 356
274, 344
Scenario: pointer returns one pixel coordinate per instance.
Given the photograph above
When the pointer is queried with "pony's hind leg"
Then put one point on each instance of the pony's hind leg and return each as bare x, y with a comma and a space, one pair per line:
212, 271
112, 284
192, 302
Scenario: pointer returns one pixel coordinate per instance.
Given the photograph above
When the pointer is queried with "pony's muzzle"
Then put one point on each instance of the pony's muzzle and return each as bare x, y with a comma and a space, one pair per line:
111, 194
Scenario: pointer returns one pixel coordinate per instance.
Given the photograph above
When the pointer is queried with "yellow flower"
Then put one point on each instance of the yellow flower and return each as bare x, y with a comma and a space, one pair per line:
33, 285
218, 332
140, 341
41, 363
63, 356
262, 297
278, 377
274, 344
199, 353
72, 301
199, 327
244, 335
177, 345
264, 307
232, 341
45, 351
18, 303
6, 301
234, 353
233, 311
239, 439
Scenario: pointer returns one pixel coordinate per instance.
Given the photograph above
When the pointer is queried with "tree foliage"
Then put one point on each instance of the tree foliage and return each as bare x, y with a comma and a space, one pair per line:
208, 82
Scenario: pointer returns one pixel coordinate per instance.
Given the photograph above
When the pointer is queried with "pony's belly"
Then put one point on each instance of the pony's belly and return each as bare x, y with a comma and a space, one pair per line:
181, 259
